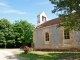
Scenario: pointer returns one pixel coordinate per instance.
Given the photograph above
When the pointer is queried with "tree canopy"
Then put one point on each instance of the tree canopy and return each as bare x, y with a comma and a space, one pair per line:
17, 34
6, 32
23, 32
69, 12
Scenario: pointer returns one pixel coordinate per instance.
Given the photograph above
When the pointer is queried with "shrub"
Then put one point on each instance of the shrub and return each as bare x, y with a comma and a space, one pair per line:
26, 49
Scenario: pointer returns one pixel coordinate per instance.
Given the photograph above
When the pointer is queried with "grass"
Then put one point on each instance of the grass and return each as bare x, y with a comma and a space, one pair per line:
40, 55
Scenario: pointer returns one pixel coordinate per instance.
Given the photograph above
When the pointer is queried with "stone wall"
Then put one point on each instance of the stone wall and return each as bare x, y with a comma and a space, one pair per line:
56, 38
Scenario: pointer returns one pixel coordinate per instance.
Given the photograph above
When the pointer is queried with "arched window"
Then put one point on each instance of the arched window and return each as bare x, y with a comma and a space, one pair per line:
46, 36
66, 35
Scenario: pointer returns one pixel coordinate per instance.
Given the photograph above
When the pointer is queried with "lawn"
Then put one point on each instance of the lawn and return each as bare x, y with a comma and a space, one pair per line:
41, 55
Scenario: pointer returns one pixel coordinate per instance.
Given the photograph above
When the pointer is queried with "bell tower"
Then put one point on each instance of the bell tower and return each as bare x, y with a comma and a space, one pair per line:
41, 18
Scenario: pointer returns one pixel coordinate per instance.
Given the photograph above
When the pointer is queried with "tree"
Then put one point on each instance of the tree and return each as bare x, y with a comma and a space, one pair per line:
23, 32
6, 33
16, 34
70, 12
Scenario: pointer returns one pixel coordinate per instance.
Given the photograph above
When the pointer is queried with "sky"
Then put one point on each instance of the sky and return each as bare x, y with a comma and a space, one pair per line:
25, 10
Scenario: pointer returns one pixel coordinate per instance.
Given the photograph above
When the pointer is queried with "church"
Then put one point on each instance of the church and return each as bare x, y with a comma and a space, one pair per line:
48, 36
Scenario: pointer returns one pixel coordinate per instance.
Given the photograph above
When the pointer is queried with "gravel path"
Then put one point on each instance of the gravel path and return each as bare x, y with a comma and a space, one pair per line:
6, 54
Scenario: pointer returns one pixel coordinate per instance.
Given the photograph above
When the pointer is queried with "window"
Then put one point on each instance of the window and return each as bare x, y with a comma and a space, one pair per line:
66, 35
38, 19
47, 36
43, 18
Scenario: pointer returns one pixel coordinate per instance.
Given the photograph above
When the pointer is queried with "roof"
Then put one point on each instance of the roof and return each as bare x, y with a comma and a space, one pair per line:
49, 23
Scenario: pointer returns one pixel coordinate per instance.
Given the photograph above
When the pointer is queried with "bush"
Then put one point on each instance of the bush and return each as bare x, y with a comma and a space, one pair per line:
26, 49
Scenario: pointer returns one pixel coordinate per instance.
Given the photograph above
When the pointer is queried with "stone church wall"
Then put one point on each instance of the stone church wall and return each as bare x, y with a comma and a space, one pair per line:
56, 38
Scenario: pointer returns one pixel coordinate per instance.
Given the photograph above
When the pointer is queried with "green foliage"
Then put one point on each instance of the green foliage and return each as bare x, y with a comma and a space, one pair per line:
23, 32
70, 12
6, 32
19, 33
66, 6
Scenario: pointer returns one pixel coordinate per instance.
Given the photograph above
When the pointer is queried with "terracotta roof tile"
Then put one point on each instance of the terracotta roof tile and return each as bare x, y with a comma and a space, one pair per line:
49, 23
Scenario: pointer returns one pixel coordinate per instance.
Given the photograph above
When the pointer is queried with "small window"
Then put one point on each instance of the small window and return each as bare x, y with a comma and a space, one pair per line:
66, 35
43, 18
38, 19
47, 36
